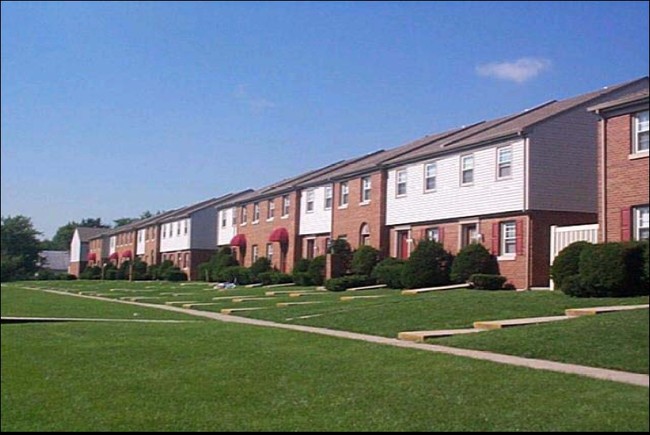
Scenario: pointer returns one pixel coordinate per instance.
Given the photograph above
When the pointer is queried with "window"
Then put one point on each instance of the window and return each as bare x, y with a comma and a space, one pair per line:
223, 219
433, 234
467, 170
401, 182
270, 212
164, 234
328, 197
256, 212
366, 187
430, 172
185, 226
269, 252
640, 138
469, 234
504, 162
286, 202
178, 230
311, 244
642, 222
508, 242
364, 235
244, 215
345, 191
234, 217
256, 253
310, 200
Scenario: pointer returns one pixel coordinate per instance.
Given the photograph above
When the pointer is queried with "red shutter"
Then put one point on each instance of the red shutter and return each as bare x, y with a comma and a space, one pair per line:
495, 238
519, 228
441, 235
626, 234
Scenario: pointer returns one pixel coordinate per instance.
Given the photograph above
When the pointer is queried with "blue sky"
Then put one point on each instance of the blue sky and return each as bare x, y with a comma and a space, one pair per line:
110, 109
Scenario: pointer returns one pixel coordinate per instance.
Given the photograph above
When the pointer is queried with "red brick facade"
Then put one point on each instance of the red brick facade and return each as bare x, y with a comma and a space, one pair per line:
257, 233
317, 244
151, 254
188, 260
361, 217
623, 181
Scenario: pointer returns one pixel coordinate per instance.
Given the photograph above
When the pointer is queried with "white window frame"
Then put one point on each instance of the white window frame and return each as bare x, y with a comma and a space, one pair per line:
309, 201
507, 238
433, 233
256, 212
366, 189
399, 182
234, 217
270, 212
344, 188
269, 252
428, 176
178, 228
255, 253
244, 215
466, 168
641, 221
328, 198
640, 128
504, 164
224, 219
286, 203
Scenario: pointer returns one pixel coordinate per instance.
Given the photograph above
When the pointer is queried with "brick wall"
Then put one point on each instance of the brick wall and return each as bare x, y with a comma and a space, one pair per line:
626, 180
320, 245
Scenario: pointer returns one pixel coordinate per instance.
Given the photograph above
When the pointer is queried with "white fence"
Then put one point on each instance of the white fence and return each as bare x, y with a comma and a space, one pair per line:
561, 237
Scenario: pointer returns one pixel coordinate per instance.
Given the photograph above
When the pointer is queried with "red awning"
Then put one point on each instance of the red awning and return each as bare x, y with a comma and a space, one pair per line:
113, 256
126, 254
239, 240
279, 235
92, 256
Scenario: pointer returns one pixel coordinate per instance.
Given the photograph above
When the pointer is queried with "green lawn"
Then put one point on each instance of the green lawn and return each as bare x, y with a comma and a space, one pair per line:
613, 340
213, 376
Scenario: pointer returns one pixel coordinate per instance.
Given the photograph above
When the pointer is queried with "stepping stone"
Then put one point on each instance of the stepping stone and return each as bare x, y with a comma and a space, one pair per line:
349, 298
181, 302
290, 304
575, 312
299, 294
498, 324
236, 310
142, 298
433, 289
282, 292
288, 284
368, 287
250, 299
88, 293
176, 294
257, 284
421, 336
230, 298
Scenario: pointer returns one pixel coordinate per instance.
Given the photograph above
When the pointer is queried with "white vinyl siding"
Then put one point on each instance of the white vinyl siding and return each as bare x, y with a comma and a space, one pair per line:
318, 221
76, 254
201, 232
139, 246
225, 234
450, 200
640, 136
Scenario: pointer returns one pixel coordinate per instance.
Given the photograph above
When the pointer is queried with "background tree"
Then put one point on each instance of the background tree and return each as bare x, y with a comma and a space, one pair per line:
19, 247
63, 236
123, 221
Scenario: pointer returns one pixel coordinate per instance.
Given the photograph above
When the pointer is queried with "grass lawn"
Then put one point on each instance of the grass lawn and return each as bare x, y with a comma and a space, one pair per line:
212, 376
613, 340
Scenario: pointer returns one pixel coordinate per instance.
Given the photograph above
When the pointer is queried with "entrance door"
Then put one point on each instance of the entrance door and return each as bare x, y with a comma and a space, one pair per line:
403, 244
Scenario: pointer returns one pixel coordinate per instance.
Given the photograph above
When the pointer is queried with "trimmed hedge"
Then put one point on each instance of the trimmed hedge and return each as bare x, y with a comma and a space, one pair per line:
268, 278
389, 271
484, 281
345, 282
175, 274
260, 266
473, 259
364, 260
567, 262
428, 266
316, 270
237, 274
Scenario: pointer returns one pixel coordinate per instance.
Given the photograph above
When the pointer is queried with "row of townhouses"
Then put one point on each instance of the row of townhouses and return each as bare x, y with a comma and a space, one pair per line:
502, 182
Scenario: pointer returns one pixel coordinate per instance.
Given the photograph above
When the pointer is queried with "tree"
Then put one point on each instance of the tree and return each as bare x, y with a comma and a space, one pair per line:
123, 221
63, 237
19, 247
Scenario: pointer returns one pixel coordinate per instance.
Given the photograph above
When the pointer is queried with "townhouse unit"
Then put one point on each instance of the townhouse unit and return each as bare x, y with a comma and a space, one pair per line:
623, 170
147, 246
80, 249
502, 183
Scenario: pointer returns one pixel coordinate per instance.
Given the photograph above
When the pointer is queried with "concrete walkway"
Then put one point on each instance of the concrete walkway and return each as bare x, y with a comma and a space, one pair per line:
592, 372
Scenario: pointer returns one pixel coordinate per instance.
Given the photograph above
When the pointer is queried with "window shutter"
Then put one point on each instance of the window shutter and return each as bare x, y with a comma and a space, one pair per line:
441, 234
626, 214
519, 228
495, 238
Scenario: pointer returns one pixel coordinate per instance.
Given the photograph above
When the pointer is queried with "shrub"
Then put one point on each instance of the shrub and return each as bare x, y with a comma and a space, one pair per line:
566, 263
610, 270
302, 279
110, 274
345, 282
317, 270
67, 277
571, 286
261, 265
645, 279
274, 277
473, 259
236, 274
364, 260
484, 281
341, 257
139, 270
91, 272
302, 265
223, 258
427, 266
389, 271
175, 274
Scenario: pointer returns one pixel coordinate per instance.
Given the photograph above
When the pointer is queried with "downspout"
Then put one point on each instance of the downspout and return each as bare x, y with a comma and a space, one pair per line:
529, 257
603, 180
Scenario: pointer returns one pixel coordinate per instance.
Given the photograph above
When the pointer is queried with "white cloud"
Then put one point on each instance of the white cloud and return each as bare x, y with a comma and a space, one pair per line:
518, 71
256, 104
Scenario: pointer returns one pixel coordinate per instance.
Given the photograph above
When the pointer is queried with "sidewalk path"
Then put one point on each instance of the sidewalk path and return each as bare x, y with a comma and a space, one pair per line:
592, 372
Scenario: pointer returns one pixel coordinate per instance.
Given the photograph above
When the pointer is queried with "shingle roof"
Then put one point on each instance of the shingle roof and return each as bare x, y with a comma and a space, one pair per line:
55, 260
187, 211
632, 98
87, 233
